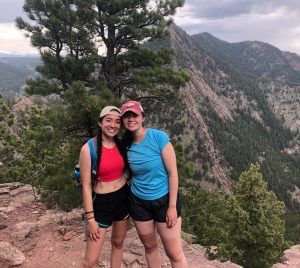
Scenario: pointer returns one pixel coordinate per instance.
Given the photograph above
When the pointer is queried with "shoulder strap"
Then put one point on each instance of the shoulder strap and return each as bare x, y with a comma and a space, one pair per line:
93, 150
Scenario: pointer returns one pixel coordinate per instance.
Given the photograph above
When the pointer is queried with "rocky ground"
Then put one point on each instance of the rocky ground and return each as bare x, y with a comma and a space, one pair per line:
32, 236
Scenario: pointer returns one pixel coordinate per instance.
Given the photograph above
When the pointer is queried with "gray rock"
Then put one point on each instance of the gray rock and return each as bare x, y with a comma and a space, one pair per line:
10, 255
50, 217
24, 229
14, 195
62, 230
4, 196
73, 216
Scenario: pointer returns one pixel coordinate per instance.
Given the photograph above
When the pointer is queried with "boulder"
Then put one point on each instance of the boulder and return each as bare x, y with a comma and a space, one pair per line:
72, 217
290, 258
24, 229
10, 255
50, 217
14, 195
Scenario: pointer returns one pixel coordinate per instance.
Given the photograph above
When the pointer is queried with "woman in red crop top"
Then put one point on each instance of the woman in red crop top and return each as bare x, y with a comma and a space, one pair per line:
105, 195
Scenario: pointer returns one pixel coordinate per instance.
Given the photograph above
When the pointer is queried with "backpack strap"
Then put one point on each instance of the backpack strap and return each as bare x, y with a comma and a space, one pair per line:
92, 143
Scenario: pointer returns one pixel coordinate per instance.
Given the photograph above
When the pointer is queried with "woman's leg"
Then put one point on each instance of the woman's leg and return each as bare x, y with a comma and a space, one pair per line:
93, 250
119, 229
147, 233
171, 239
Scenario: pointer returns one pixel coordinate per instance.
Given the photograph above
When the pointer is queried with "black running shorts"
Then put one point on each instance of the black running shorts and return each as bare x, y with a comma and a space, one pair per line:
111, 206
146, 210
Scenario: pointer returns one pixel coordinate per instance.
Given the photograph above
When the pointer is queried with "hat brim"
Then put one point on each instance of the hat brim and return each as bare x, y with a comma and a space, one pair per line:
110, 110
136, 111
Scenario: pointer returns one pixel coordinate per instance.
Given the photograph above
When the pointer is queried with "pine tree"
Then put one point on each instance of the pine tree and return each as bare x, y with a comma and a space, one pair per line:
69, 35
60, 31
245, 227
255, 235
204, 214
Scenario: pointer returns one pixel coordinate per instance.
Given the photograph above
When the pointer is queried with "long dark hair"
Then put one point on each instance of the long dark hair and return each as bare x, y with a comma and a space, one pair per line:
127, 140
122, 151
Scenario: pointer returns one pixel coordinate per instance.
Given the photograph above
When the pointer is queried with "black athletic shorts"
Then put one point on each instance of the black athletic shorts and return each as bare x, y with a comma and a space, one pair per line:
111, 206
146, 210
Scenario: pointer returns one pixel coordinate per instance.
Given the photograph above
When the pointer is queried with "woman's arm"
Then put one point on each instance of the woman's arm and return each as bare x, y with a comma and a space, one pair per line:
86, 182
169, 158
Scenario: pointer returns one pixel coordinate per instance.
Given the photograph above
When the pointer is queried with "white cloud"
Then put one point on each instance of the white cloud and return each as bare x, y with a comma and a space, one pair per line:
13, 39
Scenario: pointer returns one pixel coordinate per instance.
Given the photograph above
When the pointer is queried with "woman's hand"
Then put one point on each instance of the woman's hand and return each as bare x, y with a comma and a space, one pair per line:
93, 229
171, 217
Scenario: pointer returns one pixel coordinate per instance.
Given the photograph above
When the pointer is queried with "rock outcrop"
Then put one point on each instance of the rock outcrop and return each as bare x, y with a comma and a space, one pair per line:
10, 255
36, 237
290, 258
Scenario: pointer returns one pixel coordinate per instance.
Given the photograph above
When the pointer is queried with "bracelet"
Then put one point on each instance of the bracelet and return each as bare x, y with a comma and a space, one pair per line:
90, 218
88, 212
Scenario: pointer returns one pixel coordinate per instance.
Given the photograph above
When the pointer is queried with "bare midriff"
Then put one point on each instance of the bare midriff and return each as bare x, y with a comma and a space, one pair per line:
110, 186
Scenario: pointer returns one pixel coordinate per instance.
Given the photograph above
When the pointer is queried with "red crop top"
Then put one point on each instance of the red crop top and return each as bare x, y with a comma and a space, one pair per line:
111, 164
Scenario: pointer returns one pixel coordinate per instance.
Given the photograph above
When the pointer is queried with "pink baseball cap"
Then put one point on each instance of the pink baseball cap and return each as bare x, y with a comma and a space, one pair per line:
132, 106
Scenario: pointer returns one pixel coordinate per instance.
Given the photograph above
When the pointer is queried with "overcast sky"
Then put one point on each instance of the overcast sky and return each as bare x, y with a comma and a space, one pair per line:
273, 21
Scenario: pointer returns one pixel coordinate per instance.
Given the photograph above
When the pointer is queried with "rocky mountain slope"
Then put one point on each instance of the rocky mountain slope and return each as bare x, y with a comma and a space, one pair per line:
32, 236
278, 73
278, 77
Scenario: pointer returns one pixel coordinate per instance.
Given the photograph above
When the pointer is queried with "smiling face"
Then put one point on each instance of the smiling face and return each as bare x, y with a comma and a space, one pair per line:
110, 125
132, 121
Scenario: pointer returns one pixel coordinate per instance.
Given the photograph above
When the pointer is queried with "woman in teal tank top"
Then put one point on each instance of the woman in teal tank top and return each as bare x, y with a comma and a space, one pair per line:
153, 203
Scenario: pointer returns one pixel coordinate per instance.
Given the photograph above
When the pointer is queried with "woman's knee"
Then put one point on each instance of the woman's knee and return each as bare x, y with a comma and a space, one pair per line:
150, 247
175, 255
150, 243
117, 243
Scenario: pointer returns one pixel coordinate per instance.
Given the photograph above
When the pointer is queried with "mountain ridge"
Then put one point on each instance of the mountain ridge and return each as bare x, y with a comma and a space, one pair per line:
257, 58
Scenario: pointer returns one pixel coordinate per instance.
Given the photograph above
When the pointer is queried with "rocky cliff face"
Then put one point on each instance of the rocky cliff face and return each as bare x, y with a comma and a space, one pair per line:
204, 74
284, 100
278, 73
